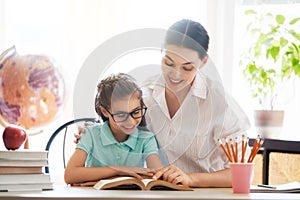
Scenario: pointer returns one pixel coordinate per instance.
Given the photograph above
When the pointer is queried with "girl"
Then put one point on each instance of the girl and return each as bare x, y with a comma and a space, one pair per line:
119, 146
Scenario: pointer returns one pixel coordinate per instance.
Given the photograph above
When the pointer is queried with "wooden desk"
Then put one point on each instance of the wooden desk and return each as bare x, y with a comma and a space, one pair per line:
78, 193
272, 145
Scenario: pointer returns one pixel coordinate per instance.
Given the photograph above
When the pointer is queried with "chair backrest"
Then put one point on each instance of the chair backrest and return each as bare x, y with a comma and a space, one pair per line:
61, 140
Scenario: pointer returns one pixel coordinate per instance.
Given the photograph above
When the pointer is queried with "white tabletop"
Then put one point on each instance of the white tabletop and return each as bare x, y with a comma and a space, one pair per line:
66, 192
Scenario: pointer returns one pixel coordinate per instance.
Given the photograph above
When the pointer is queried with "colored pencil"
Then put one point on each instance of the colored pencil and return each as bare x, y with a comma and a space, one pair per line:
228, 149
243, 148
226, 153
257, 149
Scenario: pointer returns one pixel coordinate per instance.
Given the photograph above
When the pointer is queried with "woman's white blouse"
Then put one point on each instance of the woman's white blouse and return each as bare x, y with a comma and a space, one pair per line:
189, 139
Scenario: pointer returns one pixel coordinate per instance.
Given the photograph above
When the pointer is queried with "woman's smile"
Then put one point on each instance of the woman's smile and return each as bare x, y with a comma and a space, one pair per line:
175, 81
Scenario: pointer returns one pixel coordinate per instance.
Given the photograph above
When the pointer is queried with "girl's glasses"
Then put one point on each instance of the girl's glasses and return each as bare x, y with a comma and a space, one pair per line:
123, 116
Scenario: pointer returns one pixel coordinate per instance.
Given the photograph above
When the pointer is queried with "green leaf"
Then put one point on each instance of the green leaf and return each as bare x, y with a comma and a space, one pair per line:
274, 30
257, 50
263, 38
283, 42
295, 62
249, 12
280, 19
297, 69
252, 68
271, 71
294, 34
274, 52
294, 21
295, 47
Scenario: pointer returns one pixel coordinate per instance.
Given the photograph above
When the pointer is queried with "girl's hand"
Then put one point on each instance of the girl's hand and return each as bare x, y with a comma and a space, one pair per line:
137, 172
174, 175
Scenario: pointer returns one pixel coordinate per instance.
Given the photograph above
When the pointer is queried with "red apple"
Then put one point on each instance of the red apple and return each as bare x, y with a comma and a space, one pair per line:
13, 137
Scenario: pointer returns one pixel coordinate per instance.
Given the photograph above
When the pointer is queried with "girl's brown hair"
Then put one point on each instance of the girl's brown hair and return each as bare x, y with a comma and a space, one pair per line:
116, 87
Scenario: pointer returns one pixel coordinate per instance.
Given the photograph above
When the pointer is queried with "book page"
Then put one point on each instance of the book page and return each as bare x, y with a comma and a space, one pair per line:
147, 180
134, 183
289, 186
119, 182
152, 184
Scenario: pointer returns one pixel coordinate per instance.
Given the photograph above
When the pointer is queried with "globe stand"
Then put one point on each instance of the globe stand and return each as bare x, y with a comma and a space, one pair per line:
26, 144
29, 134
8, 52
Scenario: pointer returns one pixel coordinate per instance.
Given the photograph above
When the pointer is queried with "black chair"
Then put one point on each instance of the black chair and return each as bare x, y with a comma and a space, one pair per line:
275, 145
64, 130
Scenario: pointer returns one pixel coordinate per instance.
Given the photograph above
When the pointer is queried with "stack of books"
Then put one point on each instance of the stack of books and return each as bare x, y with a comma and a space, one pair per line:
22, 170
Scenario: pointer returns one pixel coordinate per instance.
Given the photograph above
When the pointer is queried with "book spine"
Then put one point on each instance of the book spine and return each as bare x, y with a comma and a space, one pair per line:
24, 178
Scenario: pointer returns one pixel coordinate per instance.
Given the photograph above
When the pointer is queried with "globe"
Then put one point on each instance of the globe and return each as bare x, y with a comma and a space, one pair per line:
31, 90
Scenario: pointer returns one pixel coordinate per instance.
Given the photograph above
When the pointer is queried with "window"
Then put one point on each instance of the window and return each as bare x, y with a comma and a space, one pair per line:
291, 105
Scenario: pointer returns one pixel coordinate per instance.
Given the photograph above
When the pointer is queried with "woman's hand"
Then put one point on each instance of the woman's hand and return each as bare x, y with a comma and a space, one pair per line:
137, 172
174, 175
81, 130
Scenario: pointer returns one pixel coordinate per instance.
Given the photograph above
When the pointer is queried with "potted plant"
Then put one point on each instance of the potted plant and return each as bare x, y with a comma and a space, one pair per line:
271, 62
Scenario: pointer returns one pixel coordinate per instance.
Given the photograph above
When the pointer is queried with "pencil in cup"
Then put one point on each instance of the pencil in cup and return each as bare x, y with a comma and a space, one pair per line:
228, 149
227, 152
256, 146
232, 151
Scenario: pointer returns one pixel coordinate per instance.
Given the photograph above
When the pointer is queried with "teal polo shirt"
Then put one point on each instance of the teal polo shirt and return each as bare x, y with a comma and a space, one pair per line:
103, 149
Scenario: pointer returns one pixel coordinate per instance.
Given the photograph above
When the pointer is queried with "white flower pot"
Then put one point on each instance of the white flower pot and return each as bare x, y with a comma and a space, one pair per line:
269, 123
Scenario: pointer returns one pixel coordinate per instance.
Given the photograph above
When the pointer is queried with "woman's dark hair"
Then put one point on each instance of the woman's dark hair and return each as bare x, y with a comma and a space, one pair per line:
116, 87
188, 34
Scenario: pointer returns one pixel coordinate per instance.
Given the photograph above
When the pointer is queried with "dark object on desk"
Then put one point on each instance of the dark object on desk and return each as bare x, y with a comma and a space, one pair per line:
63, 129
266, 186
273, 145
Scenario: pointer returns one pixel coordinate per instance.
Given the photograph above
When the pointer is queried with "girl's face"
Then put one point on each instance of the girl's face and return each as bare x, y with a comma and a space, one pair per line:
179, 66
120, 109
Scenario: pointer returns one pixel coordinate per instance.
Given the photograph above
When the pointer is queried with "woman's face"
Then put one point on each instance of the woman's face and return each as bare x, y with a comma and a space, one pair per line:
179, 66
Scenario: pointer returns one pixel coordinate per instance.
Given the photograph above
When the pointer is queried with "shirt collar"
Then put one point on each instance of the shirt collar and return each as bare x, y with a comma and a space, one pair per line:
132, 139
199, 87
107, 137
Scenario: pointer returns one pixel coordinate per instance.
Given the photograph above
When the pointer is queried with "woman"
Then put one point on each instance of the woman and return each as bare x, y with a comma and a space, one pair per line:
188, 112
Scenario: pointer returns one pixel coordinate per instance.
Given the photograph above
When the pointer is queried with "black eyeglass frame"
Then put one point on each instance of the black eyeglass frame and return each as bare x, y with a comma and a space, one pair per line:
143, 110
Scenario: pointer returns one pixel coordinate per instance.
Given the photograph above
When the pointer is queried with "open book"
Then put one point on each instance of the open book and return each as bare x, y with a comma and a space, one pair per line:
293, 187
134, 183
